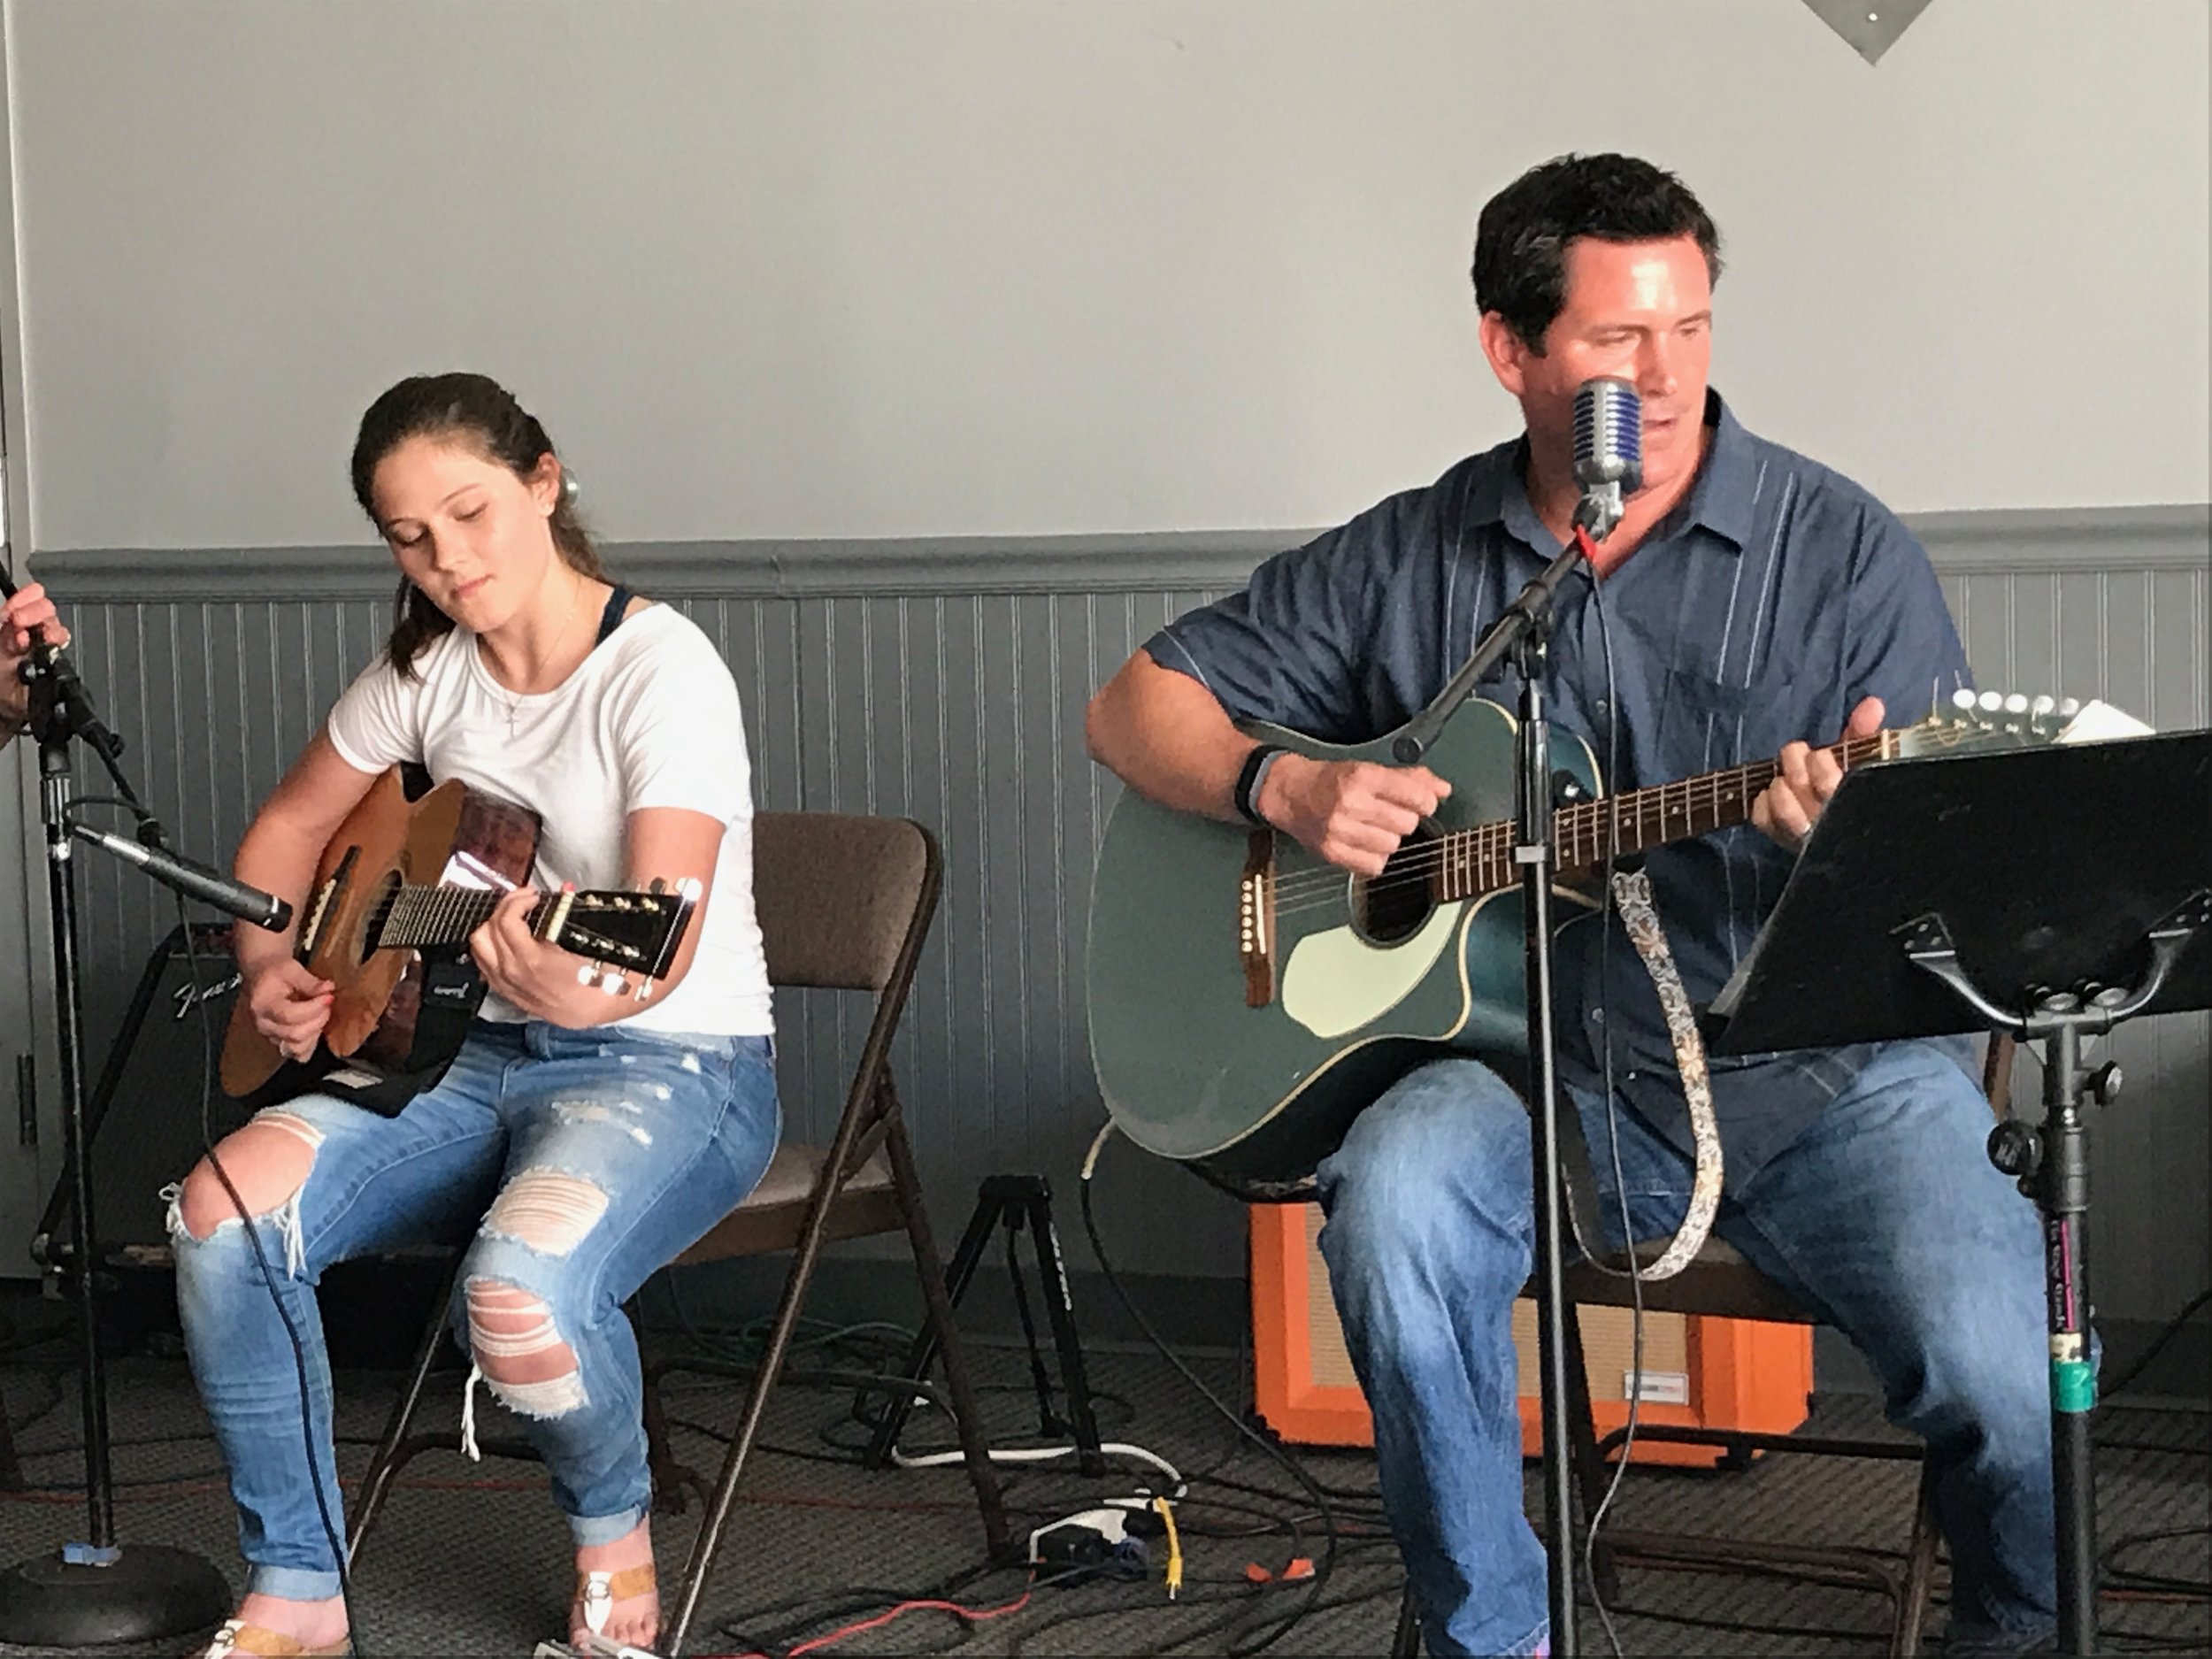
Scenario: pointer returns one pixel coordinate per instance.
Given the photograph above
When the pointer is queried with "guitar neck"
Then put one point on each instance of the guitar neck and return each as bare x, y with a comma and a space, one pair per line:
1480, 860
424, 917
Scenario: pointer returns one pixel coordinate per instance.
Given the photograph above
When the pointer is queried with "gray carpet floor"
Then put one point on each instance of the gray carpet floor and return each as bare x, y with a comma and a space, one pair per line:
468, 1557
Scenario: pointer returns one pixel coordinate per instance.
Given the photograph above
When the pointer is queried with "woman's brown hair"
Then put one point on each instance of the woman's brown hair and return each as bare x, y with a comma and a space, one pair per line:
476, 412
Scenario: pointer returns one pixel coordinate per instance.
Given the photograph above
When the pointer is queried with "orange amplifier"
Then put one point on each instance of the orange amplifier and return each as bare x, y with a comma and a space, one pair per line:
1707, 1372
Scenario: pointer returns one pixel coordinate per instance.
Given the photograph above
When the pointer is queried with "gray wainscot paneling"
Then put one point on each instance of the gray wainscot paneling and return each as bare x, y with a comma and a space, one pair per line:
947, 680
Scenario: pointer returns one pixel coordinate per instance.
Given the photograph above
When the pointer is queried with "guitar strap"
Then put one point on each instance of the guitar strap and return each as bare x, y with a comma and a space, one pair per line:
1632, 897
610, 619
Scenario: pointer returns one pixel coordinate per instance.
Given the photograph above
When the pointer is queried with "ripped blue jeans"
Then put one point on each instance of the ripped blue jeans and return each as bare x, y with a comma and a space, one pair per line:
603, 1153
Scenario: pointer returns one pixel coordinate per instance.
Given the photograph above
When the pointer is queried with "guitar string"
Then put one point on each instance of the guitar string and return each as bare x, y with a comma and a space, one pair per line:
414, 914
1482, 859
1482, 843
1478, 849
1679, 798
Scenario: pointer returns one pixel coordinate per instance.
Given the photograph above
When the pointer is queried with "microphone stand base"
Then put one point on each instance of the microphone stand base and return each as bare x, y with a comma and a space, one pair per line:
149, 1592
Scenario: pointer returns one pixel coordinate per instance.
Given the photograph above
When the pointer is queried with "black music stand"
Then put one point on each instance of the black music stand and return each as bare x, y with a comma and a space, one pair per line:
2044, 893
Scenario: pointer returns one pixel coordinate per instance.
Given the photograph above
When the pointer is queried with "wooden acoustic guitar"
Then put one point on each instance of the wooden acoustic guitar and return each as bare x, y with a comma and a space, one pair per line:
1248, 999
397, 891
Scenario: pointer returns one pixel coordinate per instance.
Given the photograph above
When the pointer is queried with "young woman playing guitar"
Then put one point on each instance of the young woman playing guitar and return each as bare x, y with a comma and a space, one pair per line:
585, 1140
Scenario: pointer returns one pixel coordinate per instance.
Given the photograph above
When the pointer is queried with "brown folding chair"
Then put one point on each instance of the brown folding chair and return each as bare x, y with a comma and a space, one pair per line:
1719, 1282
844, 904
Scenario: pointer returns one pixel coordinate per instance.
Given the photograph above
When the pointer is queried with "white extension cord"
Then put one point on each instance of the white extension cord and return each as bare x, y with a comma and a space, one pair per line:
1042, 1454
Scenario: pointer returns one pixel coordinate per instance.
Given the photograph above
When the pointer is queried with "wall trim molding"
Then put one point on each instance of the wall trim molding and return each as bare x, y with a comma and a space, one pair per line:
2020, 541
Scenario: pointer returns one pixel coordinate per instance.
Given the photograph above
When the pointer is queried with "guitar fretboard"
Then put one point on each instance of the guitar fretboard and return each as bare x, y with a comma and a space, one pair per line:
421, 916
1480, 860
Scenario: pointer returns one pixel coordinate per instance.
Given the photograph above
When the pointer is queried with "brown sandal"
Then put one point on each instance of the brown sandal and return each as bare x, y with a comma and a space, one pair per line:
597, 1592
253, 1641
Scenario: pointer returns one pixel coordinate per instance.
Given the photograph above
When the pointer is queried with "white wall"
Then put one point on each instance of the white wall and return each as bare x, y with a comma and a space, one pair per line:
886, 267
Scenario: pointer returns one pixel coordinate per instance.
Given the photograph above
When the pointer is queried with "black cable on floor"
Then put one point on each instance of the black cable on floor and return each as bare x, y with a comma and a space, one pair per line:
2166, 1333
1323, 1604
2117, 1576
1296, 1470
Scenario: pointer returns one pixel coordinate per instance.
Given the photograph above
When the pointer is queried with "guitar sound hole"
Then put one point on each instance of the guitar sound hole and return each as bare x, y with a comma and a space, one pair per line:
1393, 905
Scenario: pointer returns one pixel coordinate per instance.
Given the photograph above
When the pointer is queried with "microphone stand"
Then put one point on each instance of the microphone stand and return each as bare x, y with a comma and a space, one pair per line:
1522, 634
95, 1592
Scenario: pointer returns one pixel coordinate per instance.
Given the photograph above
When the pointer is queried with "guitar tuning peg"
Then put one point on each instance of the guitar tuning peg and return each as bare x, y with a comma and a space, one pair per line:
1963, 700
2043, 704
1991, 702
657, 886
614, 985
2068, 708
587, 975
2017, 703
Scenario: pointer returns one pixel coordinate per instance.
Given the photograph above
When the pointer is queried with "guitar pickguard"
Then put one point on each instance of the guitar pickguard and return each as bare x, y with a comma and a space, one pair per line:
1336, 982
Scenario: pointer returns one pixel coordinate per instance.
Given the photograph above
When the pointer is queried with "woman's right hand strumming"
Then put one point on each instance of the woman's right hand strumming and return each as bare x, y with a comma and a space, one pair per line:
290, 1006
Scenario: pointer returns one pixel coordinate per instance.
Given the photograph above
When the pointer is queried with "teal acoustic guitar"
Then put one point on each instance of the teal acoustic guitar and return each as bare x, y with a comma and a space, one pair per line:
1248, 999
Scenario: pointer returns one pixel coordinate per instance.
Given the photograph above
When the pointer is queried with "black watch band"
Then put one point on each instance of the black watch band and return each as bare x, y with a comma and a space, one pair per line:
1244, 795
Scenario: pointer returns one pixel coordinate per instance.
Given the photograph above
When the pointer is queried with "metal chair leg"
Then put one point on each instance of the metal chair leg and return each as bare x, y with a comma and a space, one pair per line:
394, 1450
670, 1476
1920, 1555
1592, 1474
1405, 1641
807, 1253
907, 1186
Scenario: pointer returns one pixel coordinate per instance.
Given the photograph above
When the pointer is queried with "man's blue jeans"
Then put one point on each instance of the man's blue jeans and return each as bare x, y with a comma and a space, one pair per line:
1885, 1217
602, 1153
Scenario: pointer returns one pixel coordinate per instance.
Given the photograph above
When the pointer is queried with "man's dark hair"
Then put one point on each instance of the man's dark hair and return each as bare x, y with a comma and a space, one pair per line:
1521, 238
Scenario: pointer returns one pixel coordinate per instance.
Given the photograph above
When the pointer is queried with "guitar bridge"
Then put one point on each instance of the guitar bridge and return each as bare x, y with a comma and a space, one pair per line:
312, 930
1255, 918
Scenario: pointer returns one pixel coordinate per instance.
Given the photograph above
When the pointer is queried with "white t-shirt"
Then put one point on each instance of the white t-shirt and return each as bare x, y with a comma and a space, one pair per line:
649, 719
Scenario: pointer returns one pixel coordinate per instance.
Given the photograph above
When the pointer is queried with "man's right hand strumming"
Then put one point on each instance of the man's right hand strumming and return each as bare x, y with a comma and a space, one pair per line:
1351, 812
1167, 737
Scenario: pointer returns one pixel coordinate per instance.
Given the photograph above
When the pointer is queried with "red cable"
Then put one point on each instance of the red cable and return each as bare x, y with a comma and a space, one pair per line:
973, 1614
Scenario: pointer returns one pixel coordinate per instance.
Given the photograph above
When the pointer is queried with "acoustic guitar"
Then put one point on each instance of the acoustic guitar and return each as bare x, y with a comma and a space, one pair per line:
397, 891
1249, 999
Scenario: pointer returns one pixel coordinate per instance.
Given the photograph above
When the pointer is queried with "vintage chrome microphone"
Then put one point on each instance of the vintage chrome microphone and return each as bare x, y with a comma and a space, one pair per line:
1609, 451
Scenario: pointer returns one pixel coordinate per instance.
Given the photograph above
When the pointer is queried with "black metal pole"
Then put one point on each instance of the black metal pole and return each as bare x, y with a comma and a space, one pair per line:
1521, 634
2064, 1197
94, 1593
1535, 852
2052, 1163
53, 764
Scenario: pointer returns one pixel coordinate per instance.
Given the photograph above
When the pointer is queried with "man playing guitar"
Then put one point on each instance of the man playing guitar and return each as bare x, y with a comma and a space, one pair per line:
1755, 603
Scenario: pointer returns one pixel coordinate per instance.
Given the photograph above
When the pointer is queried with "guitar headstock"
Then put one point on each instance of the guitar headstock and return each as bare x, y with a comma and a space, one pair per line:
1989, 719
629, 938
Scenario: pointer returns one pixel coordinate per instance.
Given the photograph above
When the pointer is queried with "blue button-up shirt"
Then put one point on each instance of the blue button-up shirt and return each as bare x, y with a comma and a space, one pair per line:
1772, 599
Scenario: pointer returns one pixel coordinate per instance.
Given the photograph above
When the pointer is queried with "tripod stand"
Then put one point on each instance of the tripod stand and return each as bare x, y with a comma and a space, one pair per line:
1016, 1201
94, 1591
